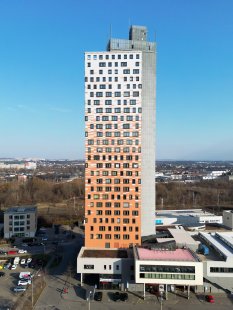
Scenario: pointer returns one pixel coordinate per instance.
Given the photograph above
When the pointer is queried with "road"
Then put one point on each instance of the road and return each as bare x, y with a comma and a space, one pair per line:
61, 276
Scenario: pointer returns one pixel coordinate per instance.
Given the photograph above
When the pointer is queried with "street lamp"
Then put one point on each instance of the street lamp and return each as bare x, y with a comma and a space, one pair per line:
89, 300
32, 291
161, 300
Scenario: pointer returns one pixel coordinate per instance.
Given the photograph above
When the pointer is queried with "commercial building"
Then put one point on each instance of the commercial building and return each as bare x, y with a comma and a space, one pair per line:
180, 267
120, 142
20, 222
137, 268
108, 268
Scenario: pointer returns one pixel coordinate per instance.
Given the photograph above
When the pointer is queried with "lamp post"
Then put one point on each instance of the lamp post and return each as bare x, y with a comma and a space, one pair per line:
89, 300
161, 300
32, 292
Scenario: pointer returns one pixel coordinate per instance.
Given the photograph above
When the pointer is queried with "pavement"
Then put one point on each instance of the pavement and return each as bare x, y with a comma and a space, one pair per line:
73, 298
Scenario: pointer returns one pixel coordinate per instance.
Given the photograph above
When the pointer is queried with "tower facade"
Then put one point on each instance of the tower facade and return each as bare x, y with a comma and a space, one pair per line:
120, 142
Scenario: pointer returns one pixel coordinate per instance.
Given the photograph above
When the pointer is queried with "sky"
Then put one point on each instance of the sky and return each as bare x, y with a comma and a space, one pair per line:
42, 45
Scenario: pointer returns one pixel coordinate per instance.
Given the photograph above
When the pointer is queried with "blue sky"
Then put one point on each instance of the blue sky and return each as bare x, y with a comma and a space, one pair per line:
42, 45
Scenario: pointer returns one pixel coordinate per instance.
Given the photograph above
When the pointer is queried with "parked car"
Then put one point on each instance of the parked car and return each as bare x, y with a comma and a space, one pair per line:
123, 296
12, 252
13, 267
23, 261
29, 259
24, 282
210, 298
24, 244
22, 251
18, 289
98, 296
116, 296
25, 275
1, 267
120, 296
7, 266
2, 274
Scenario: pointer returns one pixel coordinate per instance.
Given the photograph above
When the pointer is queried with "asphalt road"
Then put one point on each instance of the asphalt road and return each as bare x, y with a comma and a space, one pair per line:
61, 276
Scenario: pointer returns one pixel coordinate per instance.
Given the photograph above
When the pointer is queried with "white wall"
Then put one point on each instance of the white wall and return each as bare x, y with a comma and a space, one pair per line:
99, 264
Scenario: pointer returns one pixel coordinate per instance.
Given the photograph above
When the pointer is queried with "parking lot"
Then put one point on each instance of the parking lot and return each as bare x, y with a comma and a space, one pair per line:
8, 282
10, 277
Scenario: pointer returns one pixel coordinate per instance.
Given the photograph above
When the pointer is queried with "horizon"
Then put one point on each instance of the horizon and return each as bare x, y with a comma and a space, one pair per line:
42, 74
79, 159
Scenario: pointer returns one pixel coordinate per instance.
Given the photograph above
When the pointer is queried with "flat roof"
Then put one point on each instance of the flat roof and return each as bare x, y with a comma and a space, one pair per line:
182, 236
186, 212
222, 242
165, 255
98, 253
21, 209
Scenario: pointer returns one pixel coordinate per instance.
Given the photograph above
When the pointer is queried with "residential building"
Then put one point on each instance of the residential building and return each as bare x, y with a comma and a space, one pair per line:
20, 222
120, 142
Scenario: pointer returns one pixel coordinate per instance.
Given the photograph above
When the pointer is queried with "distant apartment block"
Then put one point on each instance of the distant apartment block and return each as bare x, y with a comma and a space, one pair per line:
18, 165
120, 142
20, 222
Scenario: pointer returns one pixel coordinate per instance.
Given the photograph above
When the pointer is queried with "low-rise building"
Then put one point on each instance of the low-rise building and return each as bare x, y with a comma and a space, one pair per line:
108, 268
136, 268
218, 265
20, 222
179, 267
187, 218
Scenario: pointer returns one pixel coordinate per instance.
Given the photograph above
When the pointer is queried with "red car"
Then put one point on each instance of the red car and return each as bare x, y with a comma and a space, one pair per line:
210, 299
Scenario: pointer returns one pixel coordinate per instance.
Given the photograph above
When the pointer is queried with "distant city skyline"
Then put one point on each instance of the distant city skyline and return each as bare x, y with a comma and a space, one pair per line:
41, 74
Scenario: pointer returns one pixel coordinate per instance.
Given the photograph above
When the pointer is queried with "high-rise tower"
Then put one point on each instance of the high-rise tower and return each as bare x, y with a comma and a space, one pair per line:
120, 142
